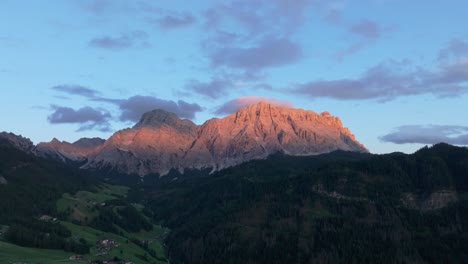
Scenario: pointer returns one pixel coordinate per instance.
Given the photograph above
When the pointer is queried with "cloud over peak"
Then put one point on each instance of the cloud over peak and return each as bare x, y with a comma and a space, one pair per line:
243, 101
134, 107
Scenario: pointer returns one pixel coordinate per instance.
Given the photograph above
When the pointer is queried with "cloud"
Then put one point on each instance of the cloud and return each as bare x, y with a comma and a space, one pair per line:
221, 84
215, 88
76, 90
350, 50
428, 134
104, 7
127, 40
260, 17
235, 104
270, 52
455, 49
174, 21
383, 81
387, 81
89, 118
263, 35
366, 29
134, 107
95, 6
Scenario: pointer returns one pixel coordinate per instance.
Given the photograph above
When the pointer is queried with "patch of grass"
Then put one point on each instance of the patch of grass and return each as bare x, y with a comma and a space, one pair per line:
82, 206
10, 253
126, 250
154, 237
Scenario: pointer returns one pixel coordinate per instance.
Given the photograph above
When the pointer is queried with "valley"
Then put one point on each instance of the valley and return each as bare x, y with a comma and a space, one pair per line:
339, 206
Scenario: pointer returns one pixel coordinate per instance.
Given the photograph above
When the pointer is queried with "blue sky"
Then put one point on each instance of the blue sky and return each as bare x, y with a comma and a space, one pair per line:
394, 71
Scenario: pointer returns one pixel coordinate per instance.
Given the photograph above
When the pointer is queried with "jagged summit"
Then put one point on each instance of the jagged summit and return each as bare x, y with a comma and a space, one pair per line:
161, 141
159, 117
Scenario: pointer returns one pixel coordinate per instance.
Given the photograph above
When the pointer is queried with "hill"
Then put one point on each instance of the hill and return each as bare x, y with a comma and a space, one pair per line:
335, 208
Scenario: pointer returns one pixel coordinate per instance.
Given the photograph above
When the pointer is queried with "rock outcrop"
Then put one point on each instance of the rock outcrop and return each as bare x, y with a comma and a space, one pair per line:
19, 142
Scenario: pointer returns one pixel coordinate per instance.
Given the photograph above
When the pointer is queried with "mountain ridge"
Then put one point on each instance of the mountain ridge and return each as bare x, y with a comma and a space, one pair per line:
160, 141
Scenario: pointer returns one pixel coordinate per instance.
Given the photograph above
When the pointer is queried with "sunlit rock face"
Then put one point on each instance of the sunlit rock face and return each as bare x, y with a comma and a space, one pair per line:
157, 143
161, 141
62, 150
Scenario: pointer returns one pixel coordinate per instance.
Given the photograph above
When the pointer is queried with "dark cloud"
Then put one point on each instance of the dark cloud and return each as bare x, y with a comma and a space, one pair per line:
269, 52
127, 40
235, 104
89, 118
76, 90
174, 21
428, 134
134, 107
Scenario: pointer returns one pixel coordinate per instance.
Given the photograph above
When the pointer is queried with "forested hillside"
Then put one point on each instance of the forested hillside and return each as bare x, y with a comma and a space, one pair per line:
335, 208
341, 207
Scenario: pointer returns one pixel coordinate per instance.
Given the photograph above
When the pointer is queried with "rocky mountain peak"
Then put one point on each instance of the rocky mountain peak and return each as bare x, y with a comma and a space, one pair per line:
159, 118
161, 141
19, 142
89, 142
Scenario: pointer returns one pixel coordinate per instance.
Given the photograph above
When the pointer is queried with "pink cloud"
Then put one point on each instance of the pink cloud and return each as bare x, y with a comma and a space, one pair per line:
243, 101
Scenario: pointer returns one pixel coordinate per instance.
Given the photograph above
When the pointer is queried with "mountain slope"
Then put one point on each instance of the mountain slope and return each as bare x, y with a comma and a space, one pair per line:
332, 208
161, 141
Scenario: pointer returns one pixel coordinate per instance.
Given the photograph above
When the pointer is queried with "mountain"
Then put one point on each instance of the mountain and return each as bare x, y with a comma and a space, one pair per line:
161, 141
18, 142
63, 151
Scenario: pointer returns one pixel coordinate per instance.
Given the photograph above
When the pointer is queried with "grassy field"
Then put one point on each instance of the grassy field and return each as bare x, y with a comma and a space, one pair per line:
81, 206
10, 253
126, 250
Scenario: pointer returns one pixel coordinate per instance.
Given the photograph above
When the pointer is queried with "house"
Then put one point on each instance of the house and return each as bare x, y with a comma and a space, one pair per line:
47, 218
106, 244
76, 257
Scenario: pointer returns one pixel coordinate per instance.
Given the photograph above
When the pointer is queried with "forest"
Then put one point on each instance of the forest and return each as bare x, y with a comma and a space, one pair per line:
340, 207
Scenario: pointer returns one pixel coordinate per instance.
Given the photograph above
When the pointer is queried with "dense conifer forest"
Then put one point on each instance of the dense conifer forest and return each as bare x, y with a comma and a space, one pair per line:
340, 207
